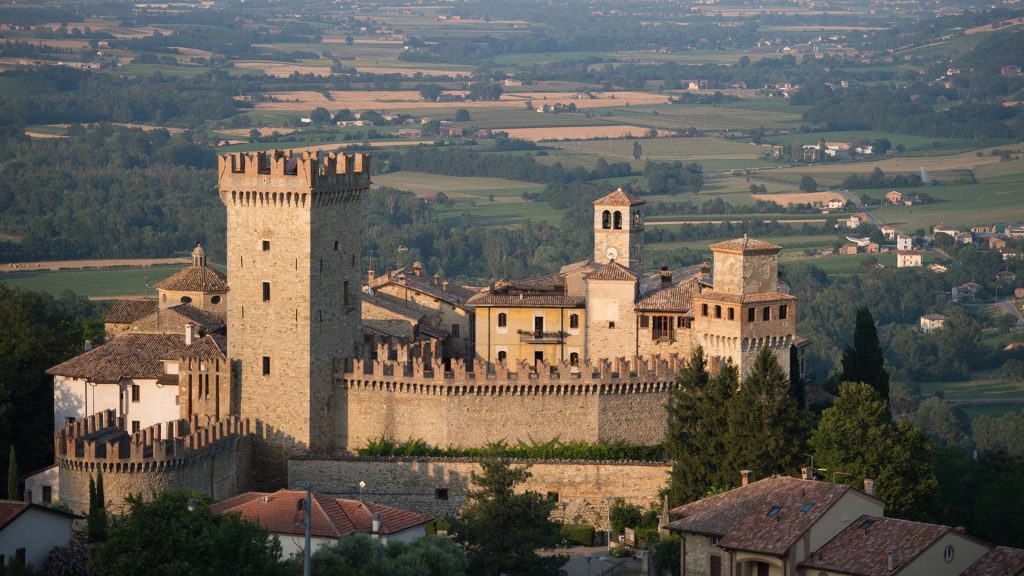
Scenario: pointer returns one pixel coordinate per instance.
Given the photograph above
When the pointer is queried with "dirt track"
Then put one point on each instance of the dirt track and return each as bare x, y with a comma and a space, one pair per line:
82, 264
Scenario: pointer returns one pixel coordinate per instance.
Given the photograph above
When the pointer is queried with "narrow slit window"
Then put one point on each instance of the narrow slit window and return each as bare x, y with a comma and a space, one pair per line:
266, 291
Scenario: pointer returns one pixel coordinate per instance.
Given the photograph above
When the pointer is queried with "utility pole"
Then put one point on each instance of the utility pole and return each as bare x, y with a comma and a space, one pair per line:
308, 510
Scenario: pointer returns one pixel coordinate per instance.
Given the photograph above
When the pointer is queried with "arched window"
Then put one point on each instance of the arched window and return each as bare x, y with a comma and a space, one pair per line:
606, 220
574, 321
618, 220
502, 355
502, 320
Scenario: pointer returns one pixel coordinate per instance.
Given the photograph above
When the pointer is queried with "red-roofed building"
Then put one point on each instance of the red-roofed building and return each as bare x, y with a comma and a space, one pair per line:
765, 528
29, 531
332, 518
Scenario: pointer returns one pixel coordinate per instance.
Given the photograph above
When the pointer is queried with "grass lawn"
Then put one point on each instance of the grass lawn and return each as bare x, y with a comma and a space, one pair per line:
100, 283
457, 187
916, 145
793, 243
842, 264
989, 385
703, 116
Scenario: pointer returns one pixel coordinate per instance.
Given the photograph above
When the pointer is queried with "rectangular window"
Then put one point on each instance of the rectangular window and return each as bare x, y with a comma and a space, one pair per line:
455, 330
766, 313
703, 309
643, 322
750, 314
266, 245
611, 325
502, 355
732, 313
552, 496
680, 322
574, 358
716, 566
348, 295
574, 321
538, 324
662, 328
335, 245
136, 426
266, 291
502, 320
266, 365
440, 493
19, 556
47, 494
718, 311
136, 393
538, 356
783, 312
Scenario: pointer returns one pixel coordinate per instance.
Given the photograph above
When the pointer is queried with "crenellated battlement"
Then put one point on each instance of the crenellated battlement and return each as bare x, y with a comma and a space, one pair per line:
418, 375
102, 441
257, 177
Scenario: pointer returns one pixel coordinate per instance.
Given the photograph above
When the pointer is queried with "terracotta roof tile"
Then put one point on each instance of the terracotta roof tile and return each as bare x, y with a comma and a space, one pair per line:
278, 512
127, 356
392, 304
1000, 561
455, 294
208, 347
766, 532
528, 300
618, 198
9, 510
746, 246
746, 298
128, 311
613, 271
195, 279
863, 548
675, 298
716, 515
173, 320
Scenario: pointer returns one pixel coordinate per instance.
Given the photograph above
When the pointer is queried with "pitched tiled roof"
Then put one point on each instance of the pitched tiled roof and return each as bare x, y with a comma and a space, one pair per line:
278, 512
208, 347
1000, 561
759, 532
173, 320
746, 246
618, 198
127, 356
864, 547
455, 294
675, 298
128, 311
11, 509
613, 271
392, 304
195, 279
716, 515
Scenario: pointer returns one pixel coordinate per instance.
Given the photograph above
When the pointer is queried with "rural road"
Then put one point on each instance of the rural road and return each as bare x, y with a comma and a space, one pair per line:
1009, 307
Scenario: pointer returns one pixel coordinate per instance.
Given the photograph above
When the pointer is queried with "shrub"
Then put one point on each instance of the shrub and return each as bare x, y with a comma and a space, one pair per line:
620, 552
578, 534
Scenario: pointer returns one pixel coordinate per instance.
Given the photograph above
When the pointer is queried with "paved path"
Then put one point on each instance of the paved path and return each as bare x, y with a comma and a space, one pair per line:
1010, 307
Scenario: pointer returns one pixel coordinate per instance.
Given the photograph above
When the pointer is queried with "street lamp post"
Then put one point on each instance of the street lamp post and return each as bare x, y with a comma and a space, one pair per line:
306, 506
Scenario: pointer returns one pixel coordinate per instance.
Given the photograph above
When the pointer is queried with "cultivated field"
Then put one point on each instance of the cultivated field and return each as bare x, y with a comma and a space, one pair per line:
403, 99
97, 284
456, 187
814, 198
579, 132
91, 264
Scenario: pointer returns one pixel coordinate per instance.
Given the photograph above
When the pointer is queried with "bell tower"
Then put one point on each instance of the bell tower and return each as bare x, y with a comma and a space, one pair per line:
619, 230
293, 241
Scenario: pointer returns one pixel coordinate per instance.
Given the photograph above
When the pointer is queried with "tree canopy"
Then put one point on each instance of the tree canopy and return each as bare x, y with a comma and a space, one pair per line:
864, 361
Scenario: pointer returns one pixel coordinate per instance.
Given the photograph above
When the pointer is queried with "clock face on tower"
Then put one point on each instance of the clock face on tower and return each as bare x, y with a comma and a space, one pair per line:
612, 254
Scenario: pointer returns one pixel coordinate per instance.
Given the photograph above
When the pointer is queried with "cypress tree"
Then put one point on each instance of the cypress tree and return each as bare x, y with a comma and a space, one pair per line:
97, 509
765, 430
864, 361
12, 475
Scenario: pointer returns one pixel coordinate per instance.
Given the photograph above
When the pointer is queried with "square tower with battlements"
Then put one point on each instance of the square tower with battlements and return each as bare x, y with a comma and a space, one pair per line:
619, 230
747, 309
293, 242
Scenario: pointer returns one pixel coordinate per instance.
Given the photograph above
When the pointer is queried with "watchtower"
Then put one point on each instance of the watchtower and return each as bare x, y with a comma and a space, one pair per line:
619, 230
293, 242
746, 310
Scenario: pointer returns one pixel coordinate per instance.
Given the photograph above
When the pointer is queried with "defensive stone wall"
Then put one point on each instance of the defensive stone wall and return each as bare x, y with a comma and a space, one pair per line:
209, 458
460, 405
437, 486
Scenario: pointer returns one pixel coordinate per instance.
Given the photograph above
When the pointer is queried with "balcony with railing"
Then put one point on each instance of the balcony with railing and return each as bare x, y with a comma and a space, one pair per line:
541, 337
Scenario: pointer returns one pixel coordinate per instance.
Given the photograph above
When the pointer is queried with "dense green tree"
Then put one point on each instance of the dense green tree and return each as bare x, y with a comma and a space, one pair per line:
462, 115
1000, 433
864, 362
697, 428
320, 116
501, 530
857, 439
808, 184
364, 555
637, 150
163, 537
944, 425
765, 430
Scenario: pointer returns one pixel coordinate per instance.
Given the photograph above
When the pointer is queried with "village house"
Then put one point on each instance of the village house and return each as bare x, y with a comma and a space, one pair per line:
984, 229
931, 322
941, 229
894, 197
964, 238
967, 292
1016, 232
28, 532
996, 243
888, 231
904, 242
836, 204
332, 518
909, 258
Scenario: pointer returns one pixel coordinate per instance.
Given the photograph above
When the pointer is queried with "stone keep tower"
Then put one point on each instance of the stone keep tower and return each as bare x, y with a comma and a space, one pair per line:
746, 310
293, 241
619, 230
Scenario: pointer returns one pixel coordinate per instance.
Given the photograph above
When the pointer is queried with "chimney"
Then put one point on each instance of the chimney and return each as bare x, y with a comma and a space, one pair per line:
894, 559
806, 473
190, 333
666, 277
437, 279
444, 286
705, 267
869, 486
387, 273
87, 346
417, 268
370, 275
745, 477
376, 522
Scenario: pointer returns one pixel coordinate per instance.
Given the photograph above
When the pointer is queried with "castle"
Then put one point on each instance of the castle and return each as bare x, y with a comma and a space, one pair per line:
291, 350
